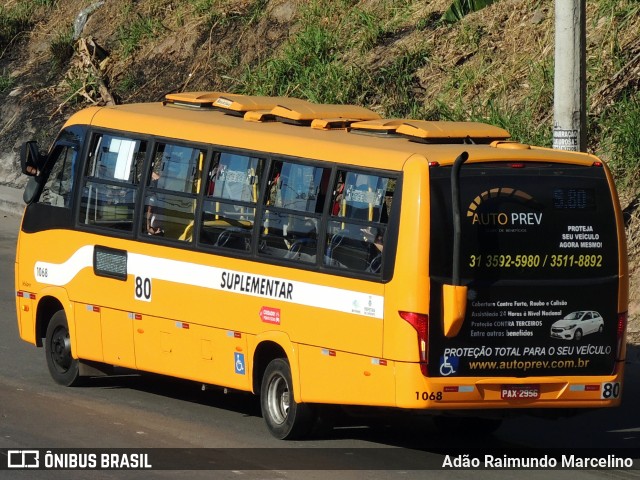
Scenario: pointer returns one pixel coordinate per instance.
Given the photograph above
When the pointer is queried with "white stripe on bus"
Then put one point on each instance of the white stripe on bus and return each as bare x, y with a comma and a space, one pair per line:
220, 279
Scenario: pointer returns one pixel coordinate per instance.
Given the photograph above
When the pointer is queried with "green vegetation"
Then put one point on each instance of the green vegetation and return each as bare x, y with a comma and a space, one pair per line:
615, 130
372, 31
6, 82
61, 48
14, 20
373, 27
314, 64
126, 85
619, 131
216, 15
19, 17
396, 81
79, 86
132, 33
528, 121
255, 11
460, 8
211, 12
309, 65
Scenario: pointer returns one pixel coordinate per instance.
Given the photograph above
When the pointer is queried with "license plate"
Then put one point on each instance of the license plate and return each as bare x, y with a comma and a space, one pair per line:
516, 392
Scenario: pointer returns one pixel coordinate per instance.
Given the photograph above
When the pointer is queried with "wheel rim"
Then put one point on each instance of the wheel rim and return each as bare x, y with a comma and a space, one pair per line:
278, 399
61, 349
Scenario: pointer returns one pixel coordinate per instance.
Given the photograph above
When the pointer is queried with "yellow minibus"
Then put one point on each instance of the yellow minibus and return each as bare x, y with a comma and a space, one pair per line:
322, 255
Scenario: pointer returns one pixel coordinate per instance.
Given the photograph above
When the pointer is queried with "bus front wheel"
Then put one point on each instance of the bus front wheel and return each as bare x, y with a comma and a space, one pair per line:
64, 369
286, 419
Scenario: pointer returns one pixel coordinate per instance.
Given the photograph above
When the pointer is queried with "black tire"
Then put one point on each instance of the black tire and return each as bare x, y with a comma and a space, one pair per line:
601, 329
577, 335
64, 369
285, 418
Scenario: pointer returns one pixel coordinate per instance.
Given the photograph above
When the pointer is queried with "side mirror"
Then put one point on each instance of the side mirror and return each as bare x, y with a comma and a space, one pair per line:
32, 190
31, 160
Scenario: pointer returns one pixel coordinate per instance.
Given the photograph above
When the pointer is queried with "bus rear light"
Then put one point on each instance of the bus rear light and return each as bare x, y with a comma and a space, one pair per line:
516, 165
622, 327
420, 322
596, 164
434, 164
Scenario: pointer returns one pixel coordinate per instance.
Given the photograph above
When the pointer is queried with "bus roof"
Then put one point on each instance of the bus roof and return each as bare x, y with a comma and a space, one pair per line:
294, 127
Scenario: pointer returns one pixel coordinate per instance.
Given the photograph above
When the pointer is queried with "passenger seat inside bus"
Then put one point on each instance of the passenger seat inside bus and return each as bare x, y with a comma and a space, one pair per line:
344, 251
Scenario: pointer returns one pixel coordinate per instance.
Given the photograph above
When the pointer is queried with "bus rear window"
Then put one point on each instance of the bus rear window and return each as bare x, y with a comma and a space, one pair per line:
547, 222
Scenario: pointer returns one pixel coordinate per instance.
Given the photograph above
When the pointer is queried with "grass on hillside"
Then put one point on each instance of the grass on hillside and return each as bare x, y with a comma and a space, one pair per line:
319, 64
18, 18
373, 53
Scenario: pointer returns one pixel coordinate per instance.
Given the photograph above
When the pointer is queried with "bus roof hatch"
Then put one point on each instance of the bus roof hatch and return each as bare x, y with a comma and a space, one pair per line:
250, 103
305, 113
332, 123
192, 99
428, 130
379, 126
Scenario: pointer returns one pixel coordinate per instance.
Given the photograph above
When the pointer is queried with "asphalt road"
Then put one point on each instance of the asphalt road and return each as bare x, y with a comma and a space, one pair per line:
142, 411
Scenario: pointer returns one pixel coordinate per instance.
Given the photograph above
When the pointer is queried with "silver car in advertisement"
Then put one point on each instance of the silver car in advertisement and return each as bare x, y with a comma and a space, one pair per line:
577, 324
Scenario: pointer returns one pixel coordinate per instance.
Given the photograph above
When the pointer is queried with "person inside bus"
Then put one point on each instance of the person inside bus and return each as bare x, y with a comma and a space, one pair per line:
154, 226
337, 197
373, 236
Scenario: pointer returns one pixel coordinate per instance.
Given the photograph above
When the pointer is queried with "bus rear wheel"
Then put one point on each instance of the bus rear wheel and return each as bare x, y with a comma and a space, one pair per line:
64, 369
286, 419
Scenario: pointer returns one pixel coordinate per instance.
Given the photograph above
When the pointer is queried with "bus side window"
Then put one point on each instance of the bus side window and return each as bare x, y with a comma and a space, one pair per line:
229, 203
294, 203
359, 215
172, 186
111, 179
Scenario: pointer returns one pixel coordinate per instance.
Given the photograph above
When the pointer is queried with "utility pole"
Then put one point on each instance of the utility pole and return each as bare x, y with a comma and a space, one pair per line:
570, 80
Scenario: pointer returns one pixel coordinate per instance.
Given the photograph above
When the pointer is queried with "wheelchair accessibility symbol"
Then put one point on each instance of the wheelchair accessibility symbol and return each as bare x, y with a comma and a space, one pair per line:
239, 363
448, 365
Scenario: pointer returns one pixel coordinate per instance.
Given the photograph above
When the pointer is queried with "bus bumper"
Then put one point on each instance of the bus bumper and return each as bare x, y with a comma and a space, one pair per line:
415, 391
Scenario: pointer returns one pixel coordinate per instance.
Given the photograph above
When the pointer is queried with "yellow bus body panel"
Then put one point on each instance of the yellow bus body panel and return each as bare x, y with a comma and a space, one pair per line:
413, 255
